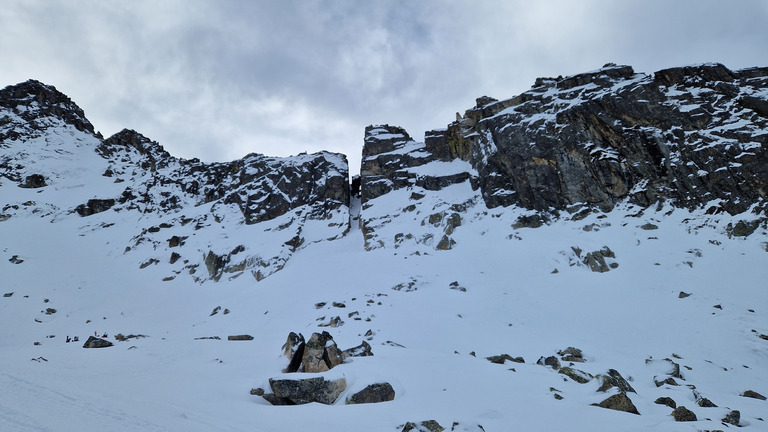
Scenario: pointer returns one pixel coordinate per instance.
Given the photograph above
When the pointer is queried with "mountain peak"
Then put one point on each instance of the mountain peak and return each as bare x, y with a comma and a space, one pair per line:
36, 103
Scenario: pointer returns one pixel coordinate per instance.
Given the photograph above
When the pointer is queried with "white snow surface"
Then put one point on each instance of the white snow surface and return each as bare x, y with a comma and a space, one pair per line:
430, 340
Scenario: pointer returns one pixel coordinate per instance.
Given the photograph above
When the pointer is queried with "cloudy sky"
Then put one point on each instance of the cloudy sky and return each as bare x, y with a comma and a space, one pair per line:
220, 79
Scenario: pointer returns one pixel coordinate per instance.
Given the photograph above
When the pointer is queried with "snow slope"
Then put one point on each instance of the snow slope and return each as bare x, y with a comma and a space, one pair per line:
429, 338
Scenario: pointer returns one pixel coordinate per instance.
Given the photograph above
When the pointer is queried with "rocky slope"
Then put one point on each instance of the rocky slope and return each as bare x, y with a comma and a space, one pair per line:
169, 199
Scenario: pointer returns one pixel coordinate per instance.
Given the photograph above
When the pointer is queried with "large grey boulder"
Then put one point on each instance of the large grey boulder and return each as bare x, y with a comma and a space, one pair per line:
305, 391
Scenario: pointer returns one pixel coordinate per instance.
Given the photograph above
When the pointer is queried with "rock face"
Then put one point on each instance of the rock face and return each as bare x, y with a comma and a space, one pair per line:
388, 154
690, 135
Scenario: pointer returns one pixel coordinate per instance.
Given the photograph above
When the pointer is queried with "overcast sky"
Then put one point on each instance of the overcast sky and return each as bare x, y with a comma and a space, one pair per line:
217, 80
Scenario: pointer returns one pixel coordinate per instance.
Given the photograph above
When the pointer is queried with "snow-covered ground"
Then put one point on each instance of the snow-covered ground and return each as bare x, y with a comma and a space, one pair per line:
430, 336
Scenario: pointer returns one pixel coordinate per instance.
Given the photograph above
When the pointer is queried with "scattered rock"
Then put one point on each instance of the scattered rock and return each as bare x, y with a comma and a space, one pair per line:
34, 181
176, 241
733, 417
674, 371
614, 379
257, 391
362, 350
15, 260
94, 342
666, 401
425, 426
8, 294
683, 294
292, 344
243, 337
446, 243
580, 377
669, 381
596, 260
148, 263
500, 359
571, 354
742, 228
94, 206
683, 414
215, 310
406, 286
551, 361
314, 358
705, 403
619, 402
120, 337
333, 323
649, 226
753, 395
530, 221
374, 393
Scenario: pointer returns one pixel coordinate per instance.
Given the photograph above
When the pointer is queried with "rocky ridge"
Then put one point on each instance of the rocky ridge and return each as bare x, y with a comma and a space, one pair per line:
692, 137
173, 197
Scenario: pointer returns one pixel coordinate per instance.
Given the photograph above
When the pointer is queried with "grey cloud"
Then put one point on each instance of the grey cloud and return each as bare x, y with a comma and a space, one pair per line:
217, 80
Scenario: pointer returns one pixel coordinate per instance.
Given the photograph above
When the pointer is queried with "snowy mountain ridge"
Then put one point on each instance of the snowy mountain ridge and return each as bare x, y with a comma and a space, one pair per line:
598, 240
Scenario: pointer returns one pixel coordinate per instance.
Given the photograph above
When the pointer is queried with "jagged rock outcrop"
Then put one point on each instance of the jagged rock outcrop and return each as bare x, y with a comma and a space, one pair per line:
389, 153
695, 136
30, 107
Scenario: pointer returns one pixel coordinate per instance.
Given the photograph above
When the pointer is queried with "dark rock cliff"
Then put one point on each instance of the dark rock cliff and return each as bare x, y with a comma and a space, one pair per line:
695, 136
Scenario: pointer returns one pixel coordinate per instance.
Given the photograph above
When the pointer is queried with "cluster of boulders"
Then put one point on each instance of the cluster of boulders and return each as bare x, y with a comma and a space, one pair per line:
611, 380
317, 355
